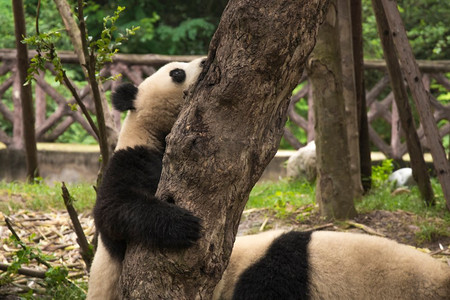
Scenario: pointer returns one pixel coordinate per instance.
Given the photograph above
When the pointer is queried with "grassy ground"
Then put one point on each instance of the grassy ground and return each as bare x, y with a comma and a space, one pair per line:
282, 197
42, 197
274, 195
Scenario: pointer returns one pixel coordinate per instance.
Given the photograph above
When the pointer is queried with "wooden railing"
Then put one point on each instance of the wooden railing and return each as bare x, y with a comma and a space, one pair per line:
51, 123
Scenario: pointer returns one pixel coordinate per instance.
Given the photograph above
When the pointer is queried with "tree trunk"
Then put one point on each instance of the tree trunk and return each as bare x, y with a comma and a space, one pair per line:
333, 170
363, 125
349, 93
224, 138
26, 95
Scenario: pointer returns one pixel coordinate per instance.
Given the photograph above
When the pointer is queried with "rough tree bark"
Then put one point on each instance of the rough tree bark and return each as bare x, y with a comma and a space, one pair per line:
26, 95
224, 138
333, 169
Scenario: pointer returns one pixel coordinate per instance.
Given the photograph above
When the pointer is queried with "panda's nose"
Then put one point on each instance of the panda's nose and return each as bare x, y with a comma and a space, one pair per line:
185, 93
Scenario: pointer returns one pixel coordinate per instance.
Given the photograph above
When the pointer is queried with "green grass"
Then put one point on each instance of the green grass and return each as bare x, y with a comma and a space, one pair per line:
280, 193
381, 198
281, 196
42, 197
274, 195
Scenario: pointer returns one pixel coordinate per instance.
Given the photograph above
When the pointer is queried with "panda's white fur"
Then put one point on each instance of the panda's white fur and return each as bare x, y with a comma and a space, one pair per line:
104, 275
152, 110
157, 105
338, 265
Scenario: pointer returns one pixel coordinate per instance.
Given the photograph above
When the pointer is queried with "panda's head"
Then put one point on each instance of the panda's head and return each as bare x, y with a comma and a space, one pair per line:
154, 106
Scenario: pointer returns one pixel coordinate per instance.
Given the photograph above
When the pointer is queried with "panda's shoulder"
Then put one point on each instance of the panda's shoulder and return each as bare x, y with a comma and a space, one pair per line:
137, 167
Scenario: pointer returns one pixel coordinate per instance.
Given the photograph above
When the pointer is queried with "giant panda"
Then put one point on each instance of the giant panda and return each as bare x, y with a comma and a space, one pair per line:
330, 265
126, 208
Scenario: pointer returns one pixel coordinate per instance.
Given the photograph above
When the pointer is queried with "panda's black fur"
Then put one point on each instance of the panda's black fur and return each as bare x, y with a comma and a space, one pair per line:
330, 265
282, 273
127, 208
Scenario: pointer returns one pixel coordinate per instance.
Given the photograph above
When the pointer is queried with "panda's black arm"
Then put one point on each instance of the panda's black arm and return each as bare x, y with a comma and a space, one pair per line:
149, 221
126, 208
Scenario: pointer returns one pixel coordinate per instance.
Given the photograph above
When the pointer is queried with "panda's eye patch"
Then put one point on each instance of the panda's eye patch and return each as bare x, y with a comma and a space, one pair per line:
178, 75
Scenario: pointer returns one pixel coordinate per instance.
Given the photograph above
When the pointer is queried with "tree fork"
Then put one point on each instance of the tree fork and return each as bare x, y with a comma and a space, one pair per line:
224, 138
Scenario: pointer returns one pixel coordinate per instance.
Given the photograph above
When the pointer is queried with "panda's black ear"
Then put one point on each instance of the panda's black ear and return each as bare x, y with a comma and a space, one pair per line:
178, 75
123, 97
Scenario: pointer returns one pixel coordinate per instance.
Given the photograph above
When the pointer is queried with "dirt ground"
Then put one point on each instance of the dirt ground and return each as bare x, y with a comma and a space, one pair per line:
399, 225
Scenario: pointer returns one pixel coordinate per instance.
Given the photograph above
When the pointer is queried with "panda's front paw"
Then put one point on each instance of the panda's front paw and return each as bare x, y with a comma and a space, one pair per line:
182, 231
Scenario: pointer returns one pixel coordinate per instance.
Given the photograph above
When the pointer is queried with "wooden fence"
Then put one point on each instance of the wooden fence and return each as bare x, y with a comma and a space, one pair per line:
51, 123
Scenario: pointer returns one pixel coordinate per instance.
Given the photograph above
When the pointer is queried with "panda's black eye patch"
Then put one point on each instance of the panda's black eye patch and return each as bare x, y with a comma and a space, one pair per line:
178, 75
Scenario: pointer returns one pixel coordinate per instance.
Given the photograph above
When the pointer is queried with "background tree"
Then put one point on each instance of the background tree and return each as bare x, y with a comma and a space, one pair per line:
334, 182
224, 138
26, 96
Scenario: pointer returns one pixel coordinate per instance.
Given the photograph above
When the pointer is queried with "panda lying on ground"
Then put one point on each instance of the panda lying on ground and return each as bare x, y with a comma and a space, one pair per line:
126, 208
330, 265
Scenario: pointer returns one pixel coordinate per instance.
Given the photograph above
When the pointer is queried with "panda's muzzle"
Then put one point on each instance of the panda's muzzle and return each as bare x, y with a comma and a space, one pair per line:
178, 75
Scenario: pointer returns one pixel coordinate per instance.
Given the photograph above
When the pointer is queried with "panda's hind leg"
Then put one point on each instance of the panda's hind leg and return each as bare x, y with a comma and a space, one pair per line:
104, 275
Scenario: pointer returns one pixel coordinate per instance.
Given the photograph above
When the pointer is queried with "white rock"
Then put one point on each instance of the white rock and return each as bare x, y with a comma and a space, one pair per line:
402, 177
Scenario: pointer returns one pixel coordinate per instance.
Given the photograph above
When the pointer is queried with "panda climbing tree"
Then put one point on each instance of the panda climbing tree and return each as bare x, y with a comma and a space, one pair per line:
225, 135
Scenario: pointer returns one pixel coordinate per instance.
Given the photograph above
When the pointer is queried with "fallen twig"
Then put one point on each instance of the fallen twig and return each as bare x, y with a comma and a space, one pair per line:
319, 227
365, 228
24, 271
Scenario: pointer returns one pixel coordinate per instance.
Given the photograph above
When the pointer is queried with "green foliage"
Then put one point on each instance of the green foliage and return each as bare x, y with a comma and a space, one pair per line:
189, 37
106, 46
371, 42
49, 16
45, 45
428, 33
167, 27
380, 174
8, 39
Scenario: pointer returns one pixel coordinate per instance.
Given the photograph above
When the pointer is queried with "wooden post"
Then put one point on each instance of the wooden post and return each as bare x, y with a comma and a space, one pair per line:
363, 126
349, 93
395, 31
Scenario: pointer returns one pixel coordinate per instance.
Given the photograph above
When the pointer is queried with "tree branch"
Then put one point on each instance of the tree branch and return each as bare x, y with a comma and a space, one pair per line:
85, 250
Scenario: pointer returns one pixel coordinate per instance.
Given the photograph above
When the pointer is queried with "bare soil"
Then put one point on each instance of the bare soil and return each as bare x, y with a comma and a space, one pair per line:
400, 225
